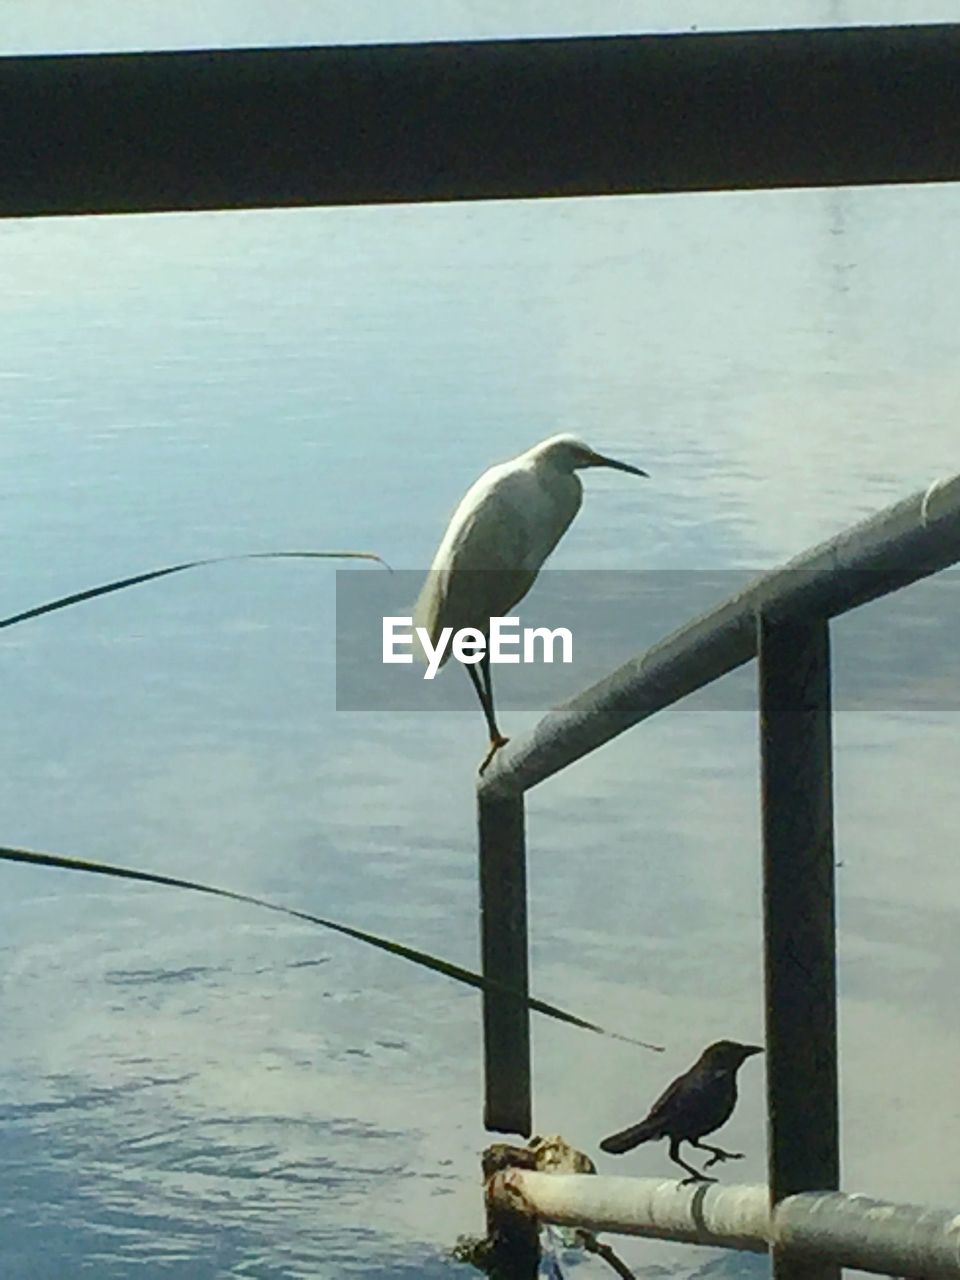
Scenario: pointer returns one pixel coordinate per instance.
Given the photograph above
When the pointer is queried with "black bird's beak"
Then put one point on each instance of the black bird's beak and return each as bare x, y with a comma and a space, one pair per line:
748, 1050
598, 460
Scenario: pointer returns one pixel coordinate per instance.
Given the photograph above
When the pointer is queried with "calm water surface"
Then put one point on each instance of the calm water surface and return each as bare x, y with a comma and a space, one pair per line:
194, 1089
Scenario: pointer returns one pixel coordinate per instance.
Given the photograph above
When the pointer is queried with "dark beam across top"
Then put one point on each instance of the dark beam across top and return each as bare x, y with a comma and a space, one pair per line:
121, 133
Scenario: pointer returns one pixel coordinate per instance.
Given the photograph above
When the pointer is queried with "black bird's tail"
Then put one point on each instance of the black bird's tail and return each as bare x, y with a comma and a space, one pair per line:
627, 1139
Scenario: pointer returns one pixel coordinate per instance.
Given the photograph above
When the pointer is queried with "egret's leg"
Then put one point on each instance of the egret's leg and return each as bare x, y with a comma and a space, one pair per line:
497, 740
484, 687
495, 734
482, 695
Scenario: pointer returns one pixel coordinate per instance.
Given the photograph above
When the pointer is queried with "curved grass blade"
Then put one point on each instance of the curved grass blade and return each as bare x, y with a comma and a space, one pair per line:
422, 958
120, 584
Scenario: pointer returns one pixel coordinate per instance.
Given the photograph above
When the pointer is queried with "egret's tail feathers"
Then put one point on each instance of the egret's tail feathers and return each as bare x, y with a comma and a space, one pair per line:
427, 615
627, 1139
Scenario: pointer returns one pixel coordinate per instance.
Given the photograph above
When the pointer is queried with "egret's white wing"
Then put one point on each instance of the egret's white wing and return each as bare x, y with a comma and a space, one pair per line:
498, 538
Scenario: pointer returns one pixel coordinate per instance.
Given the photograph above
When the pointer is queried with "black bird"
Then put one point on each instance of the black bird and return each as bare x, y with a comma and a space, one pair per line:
696, 1103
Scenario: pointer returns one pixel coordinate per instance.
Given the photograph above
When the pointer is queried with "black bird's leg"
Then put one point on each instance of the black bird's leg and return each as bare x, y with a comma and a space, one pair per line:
718, 1152
485, 694
695, 1174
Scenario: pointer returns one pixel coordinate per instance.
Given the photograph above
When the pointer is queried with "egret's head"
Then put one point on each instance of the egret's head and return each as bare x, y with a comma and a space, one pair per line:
569, 454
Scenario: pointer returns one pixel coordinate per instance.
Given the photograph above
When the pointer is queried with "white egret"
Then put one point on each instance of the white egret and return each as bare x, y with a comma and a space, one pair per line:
496, 543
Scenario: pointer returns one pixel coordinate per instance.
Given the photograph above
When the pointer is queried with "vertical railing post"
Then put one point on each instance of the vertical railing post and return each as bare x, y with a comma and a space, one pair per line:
504, 950
799, 917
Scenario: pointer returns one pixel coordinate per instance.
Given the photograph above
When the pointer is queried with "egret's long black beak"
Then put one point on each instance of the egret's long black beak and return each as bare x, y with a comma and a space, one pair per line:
598, 460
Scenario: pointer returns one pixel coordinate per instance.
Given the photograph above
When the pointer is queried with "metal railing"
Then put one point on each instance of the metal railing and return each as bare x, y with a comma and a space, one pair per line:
817, 1229
782, 620
478, 120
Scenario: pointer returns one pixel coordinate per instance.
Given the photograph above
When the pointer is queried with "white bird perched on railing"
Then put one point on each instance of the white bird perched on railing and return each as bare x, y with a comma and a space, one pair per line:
496, 543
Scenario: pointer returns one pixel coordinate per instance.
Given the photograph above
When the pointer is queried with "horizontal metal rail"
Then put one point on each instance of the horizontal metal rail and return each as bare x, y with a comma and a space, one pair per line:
479, 120
889, 550
849, 1230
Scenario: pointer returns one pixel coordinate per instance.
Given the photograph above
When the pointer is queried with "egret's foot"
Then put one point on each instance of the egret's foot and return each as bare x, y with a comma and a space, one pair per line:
695, 1177
495, 745
719, 1156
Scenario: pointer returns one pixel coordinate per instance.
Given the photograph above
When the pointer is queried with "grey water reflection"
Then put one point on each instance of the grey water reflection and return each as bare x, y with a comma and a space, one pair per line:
191, 1089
